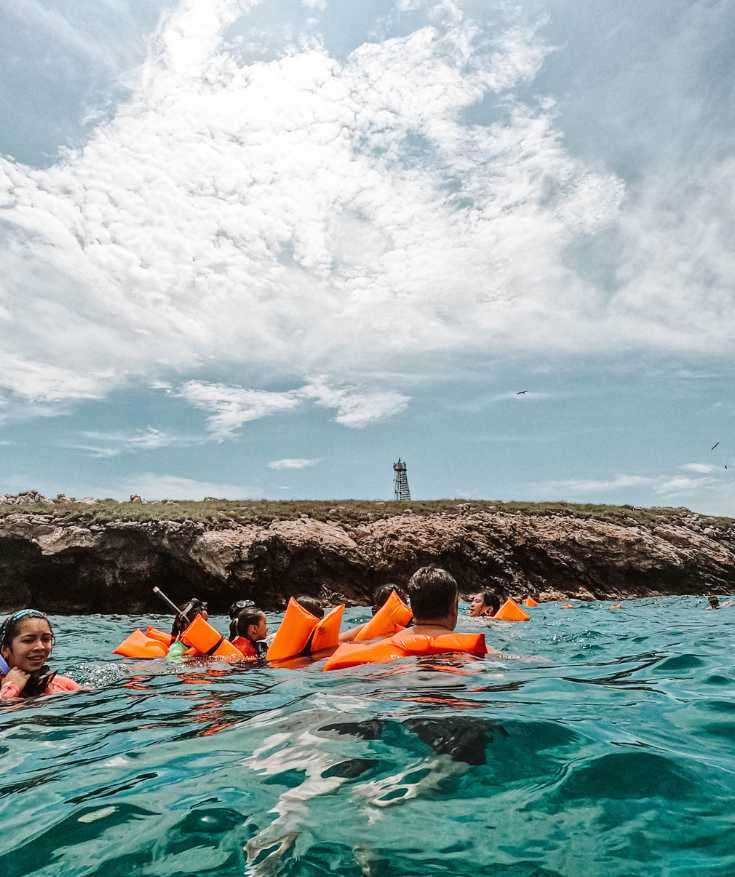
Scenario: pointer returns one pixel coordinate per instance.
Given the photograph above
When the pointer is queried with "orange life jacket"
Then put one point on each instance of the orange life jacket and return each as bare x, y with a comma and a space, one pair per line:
200, 635
138, 645
300, 629
511, 611
293, 634
160, 635
405, 644
392, 616
326, 633
529, 601
246, 646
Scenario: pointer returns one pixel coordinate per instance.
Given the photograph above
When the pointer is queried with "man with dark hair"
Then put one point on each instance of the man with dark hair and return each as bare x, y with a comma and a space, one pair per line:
434, 596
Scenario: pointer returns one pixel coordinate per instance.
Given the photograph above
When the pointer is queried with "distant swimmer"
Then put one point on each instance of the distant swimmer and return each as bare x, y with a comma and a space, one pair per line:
714, 446
485, 603
26, 642
521, 392
714, 603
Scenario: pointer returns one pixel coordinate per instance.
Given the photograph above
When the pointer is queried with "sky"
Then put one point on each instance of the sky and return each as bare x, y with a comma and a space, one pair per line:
263, 248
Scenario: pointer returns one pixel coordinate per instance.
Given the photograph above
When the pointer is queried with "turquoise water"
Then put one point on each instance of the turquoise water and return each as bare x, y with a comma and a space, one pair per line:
617, 757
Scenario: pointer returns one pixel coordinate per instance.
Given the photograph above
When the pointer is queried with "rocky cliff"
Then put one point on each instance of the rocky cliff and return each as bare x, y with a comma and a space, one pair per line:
82, 561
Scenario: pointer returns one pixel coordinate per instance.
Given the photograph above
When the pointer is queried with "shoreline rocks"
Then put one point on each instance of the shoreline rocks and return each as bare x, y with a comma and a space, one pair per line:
82, 564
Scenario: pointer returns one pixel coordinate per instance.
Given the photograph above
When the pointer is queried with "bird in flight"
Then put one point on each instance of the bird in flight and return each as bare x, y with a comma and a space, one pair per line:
714, 446
521, 392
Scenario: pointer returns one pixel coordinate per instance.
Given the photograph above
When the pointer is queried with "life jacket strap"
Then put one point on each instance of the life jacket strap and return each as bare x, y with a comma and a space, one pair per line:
214, 648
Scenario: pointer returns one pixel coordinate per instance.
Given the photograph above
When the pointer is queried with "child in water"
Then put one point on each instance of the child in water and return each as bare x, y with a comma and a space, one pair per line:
26, 642
248, 631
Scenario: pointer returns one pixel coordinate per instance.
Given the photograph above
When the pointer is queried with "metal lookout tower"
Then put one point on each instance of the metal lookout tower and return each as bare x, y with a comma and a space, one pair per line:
401, 492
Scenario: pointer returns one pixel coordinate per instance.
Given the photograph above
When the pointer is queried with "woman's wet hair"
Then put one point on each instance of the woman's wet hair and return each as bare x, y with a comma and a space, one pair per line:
381, 595
188, 613
10, 627
433, 592
311, 604
490, 601
242, 621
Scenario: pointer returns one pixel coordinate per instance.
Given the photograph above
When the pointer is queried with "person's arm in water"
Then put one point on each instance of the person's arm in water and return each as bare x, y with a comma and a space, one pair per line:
13, 684
349, 635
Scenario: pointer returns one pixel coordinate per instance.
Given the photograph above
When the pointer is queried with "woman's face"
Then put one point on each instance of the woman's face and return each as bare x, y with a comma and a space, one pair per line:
259, 630
477, 606
31, 646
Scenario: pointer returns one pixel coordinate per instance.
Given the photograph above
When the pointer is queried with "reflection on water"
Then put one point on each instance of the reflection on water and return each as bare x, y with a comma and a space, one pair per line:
615, 753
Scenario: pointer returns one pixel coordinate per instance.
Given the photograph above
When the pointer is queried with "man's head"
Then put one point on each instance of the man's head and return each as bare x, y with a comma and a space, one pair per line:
434, 596
714, 603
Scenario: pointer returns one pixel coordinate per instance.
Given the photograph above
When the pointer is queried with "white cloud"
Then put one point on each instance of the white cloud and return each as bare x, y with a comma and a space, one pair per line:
318, 5
355, 407
232, 407
617, 482
305, 215
680, 484
699, 468
293, 463
153, 486
112, 444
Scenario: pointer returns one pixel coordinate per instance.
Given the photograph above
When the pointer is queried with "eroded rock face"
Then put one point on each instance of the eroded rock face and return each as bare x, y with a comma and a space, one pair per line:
112, 567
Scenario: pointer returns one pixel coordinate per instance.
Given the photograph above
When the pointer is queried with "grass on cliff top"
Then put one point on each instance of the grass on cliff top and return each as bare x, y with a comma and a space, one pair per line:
224, 512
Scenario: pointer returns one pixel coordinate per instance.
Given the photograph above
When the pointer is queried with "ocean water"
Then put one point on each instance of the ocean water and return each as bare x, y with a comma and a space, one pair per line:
613, 756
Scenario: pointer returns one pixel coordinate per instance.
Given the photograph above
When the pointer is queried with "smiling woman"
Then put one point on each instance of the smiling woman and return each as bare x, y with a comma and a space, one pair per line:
26, 641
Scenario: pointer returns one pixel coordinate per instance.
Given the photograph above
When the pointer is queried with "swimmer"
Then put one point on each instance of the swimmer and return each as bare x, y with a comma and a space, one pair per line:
26, 642
714, 603
235, 610
248, 632
194, 607
311, 604
434, 596
380, 597
484, 604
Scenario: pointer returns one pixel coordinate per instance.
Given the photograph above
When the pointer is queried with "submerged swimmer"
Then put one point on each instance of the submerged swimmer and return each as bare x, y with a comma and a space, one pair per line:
26, 642
380, 598
484, 604
248, 631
